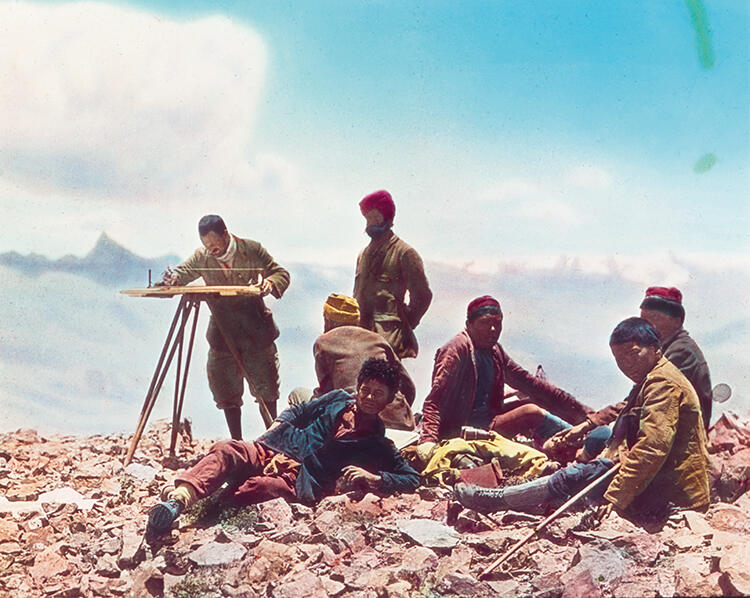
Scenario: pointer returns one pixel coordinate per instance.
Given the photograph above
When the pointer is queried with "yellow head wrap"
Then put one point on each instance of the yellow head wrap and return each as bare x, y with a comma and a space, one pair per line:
341, 309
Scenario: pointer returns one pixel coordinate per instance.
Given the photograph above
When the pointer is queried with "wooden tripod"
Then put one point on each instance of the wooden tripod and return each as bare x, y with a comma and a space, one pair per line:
174, 345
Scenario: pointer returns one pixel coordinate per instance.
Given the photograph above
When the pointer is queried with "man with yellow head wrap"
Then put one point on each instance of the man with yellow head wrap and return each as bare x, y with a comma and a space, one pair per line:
343, 347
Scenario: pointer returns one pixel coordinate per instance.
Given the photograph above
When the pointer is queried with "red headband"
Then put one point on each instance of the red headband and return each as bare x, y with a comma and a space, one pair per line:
475, 308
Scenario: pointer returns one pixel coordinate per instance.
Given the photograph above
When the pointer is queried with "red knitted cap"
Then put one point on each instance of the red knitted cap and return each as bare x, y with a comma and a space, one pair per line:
667, 300
669, 293
380, 201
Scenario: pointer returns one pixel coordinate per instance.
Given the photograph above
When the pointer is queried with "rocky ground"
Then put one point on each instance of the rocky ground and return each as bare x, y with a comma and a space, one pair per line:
73, 520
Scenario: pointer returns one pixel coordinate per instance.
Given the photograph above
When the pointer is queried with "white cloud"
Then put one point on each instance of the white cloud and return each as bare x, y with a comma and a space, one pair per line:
106, 101
511, 189
589, 177
534, 200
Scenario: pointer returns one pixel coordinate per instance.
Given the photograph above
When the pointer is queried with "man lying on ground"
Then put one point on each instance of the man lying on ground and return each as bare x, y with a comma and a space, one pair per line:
337, 438
469, 377
658, 438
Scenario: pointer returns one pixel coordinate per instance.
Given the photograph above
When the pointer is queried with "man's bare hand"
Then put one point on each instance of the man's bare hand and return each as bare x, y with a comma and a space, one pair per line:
353, 476
168, 278
266, 287
570, 438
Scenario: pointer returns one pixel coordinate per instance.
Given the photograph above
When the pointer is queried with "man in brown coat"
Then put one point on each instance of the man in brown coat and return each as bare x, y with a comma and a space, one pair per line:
386, 269
662, 307
658, 439
226, 259
339, 354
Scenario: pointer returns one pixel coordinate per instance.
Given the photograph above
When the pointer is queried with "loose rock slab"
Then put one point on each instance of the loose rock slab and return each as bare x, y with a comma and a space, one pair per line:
215, 553
429, 533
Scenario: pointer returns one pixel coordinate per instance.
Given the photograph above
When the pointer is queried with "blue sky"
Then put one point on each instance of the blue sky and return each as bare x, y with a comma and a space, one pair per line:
520, 129
551, 144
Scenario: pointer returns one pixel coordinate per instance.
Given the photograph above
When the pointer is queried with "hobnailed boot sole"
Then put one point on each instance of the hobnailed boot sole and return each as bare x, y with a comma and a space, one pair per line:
162, 516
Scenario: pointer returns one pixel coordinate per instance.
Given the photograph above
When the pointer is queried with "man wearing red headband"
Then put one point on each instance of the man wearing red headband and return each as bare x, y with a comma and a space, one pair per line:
386, 269
469, 377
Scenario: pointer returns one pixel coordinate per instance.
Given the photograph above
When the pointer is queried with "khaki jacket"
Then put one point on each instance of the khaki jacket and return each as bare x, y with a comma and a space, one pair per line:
386, 269
666, 459
247, 319
682, 351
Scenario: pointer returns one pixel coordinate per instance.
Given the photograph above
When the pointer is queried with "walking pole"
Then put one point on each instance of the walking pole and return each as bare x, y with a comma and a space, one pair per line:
264, 413
549, 519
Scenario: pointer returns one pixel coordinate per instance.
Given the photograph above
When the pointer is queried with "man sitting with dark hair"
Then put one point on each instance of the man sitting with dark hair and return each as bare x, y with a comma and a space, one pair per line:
662, 308
658, 438
309, 450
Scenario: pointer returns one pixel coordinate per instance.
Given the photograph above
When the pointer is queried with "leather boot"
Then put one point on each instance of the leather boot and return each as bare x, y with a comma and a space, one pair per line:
530, 497
233, 416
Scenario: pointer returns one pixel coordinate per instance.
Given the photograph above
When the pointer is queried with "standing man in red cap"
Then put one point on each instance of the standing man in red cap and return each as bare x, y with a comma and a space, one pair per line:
386, 269
469, 378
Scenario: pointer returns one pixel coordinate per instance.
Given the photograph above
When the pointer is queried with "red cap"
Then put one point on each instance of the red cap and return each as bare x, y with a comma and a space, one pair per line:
474, 310
669, 293
380, 201
667, 300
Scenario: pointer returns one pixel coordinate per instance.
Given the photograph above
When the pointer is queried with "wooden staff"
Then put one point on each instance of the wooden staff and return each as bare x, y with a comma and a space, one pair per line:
264, 413
549, 519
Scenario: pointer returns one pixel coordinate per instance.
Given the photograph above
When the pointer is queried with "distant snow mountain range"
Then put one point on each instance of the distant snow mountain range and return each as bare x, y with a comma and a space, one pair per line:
76, 356
107, 263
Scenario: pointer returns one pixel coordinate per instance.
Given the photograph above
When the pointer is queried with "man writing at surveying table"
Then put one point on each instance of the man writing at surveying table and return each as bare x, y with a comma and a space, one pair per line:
226, 259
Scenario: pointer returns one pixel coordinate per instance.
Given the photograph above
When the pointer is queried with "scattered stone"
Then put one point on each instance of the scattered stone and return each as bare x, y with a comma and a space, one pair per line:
48, 564
334, 588
417, 563
292, 535
132, 551
10, 548
579, 582
693, 578
305, 583
460, 584
429, 533
734, 566
147, 580
687, 540
216, 553
142, 474
276, 511
728, 518
697, 522
643, 548
66, 496
398, 589
89, 543
19, 507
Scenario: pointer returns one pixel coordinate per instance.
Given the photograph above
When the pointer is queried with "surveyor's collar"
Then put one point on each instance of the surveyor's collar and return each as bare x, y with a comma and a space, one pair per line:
228, 256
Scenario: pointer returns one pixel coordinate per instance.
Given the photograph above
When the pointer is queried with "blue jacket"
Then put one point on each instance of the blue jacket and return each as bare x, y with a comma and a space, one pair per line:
306, 435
